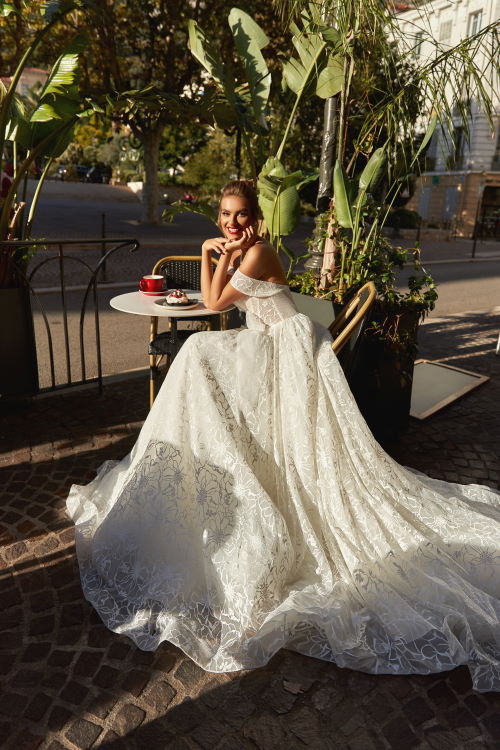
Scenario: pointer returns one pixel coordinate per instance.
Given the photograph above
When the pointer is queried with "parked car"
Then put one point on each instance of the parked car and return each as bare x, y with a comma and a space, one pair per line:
61, 172
81, 171
98, 173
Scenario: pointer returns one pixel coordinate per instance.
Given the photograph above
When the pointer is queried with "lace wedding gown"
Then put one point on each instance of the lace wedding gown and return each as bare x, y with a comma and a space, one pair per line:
256, 511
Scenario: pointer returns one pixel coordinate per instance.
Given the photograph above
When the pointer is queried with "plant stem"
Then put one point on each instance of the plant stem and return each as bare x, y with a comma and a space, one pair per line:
9, 200
36, 195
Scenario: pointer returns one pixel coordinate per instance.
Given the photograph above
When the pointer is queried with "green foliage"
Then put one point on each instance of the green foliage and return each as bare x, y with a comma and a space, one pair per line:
279, 198
181, 142
42, 133
318, 65
211, 166
202, 208
380, 266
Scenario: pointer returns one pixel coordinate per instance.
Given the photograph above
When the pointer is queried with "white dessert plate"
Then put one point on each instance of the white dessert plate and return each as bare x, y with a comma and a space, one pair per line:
194, 303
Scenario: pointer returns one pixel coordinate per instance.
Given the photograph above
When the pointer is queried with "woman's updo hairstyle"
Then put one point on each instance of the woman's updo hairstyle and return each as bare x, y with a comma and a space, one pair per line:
242, 189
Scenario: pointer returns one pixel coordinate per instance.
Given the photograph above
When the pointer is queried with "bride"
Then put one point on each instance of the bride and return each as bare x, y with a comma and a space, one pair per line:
256, 511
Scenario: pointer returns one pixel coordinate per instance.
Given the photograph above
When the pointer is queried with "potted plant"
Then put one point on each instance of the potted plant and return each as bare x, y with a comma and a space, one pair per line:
28, 138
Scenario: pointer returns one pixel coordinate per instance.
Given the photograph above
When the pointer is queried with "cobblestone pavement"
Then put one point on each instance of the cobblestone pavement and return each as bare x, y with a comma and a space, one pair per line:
70, 683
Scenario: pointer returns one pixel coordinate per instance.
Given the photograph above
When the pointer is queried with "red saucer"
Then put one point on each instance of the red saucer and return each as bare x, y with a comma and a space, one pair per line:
154, 294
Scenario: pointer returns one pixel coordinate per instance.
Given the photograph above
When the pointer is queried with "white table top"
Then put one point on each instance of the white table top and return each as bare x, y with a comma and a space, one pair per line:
139, 304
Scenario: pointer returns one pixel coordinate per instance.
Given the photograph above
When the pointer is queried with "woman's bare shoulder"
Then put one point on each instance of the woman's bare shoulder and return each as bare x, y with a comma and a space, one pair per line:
263, 262
260, 247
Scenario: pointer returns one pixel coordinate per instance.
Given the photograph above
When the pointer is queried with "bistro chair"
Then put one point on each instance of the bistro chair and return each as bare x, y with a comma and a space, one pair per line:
348, 326
183, 272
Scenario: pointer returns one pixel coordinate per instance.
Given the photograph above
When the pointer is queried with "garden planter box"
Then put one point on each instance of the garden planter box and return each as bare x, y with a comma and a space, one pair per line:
18, 371
381, 381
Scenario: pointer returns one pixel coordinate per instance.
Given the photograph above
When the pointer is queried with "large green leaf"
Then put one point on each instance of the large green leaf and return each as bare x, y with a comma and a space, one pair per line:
342, 196
300, 71
250, 39
236, 111
279, 198
331, 78
17, 126
59, 101
374, 171
60, 97
318, 65
200, 47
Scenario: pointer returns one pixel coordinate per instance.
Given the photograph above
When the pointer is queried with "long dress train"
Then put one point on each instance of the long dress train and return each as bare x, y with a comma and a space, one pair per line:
256, 511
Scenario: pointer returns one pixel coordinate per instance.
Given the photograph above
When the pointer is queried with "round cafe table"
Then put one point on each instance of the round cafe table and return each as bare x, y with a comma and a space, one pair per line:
138, 303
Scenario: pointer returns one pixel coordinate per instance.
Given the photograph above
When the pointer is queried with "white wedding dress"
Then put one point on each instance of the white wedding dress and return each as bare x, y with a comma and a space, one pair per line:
256, 511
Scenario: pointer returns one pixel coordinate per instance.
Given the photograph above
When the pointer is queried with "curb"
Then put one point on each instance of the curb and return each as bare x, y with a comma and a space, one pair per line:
457, 260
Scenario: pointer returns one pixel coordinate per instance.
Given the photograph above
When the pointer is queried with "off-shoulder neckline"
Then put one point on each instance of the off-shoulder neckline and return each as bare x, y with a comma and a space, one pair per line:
261, 281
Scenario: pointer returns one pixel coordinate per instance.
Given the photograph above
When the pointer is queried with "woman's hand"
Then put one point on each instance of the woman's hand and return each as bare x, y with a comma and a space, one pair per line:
217, 245
243, 243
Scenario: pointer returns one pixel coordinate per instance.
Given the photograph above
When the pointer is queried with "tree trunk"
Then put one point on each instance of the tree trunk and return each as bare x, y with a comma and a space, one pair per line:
151, 194
325, 189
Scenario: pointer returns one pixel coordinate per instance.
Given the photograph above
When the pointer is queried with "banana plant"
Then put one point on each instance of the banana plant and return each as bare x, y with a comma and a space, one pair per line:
52, 12
353, 209
46, 132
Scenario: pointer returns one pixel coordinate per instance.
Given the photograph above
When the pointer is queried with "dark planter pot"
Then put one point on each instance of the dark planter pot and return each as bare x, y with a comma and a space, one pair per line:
382, 378
18, 371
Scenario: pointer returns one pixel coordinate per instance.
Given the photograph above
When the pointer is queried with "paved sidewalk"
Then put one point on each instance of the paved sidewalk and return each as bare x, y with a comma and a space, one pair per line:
70, 683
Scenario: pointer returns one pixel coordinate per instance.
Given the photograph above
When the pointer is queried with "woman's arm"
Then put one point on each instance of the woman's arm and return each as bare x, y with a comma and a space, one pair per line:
216, 292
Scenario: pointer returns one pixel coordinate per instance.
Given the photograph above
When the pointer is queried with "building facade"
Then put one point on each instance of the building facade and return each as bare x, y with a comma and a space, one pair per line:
460, 189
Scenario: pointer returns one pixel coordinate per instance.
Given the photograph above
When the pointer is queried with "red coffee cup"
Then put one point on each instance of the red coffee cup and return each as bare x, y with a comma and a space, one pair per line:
151, 283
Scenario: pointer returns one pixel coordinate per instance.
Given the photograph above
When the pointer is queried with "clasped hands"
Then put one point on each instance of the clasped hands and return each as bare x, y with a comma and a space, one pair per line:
224, 246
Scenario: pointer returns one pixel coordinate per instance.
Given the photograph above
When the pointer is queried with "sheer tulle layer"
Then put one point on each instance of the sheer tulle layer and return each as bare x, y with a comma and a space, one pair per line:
256, 511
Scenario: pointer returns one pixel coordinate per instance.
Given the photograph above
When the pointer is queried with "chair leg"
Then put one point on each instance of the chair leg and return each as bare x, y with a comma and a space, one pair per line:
153, 374
223, 321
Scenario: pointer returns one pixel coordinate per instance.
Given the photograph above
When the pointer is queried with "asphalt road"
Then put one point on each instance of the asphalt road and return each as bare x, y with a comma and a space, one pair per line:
75, 210
465, 286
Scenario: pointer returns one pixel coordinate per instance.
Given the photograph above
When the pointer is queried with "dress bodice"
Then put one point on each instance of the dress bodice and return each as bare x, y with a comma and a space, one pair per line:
266, 302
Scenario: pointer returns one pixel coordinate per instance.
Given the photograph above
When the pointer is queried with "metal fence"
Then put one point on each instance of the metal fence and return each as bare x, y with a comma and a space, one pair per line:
90, 289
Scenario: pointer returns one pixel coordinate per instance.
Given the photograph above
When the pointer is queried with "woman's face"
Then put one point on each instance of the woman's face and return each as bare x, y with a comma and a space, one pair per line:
234, 216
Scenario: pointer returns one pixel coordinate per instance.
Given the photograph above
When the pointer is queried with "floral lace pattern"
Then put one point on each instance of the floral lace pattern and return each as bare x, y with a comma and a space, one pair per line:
266, 303
256, 511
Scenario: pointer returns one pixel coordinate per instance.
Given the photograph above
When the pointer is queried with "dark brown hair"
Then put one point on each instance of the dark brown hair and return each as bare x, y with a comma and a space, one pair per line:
242, 189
